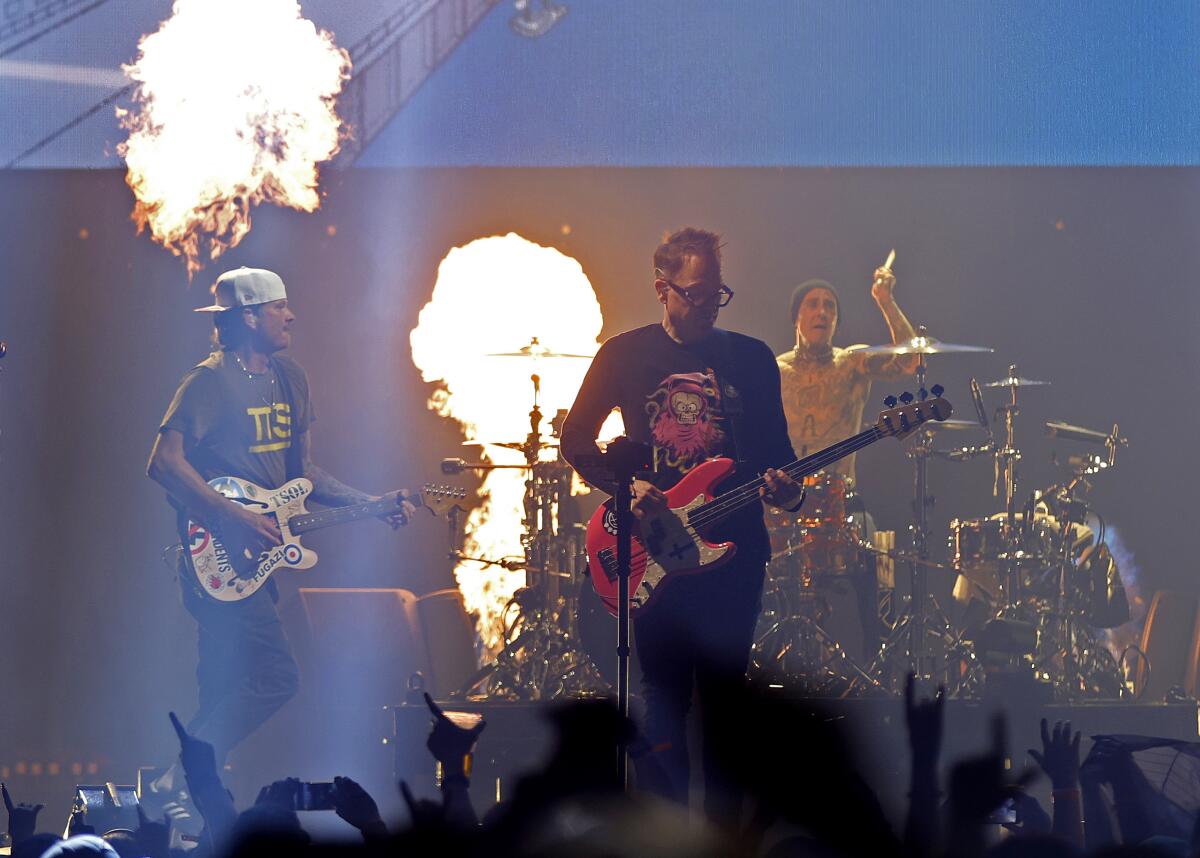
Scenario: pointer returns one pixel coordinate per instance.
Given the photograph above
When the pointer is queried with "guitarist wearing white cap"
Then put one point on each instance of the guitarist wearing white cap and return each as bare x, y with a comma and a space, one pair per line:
244, 412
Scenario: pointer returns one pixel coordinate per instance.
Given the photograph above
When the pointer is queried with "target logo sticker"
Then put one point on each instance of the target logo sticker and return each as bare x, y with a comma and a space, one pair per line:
292, 554
610, 518
198, 539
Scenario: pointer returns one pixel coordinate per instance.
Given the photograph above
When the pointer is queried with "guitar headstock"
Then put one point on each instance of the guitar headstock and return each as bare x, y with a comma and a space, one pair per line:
433, 494
903, 416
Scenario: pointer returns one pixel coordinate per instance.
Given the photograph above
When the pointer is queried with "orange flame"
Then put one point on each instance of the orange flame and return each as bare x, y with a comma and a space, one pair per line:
234, 107
495, 295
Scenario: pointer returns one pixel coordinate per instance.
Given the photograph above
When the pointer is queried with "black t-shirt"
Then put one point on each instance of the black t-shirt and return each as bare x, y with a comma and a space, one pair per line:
681, 400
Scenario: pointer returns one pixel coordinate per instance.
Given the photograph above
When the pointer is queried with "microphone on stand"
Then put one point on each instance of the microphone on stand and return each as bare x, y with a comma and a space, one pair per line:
980, 410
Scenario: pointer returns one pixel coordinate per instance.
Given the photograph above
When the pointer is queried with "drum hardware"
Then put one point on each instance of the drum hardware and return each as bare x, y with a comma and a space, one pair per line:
923, 619
814, 552
1005, 461
542, 657
1069, 654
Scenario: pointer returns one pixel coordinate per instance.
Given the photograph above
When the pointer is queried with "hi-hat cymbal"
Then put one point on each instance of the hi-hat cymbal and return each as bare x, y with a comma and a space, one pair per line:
510, 445
537, 351
922, 345
1015, 381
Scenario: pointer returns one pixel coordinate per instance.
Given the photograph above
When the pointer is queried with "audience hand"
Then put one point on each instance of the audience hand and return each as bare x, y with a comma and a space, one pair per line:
1031, 817
978, 785
22, 818
197, 756
448, 742
354, 804
924, 721
77, 824
153, 838
1059, 758
280, 794
424, 814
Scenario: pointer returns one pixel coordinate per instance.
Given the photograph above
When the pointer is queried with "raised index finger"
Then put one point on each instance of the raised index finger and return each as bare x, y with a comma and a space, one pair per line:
433, 707
8, 805
179, 729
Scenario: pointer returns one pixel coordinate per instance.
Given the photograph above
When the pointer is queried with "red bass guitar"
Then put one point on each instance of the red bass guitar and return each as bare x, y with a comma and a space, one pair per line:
672, 545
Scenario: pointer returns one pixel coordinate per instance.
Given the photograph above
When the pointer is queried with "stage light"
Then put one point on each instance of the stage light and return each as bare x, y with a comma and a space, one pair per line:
535, 17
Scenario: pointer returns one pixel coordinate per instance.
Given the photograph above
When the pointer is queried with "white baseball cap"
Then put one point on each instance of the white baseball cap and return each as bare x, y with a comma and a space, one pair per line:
245, 287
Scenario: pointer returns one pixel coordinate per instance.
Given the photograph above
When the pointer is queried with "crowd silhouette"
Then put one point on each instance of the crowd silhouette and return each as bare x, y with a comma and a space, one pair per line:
793, 772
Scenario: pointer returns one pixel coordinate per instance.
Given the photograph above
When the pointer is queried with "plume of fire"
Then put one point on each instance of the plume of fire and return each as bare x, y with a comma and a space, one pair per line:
233, 106
492, 296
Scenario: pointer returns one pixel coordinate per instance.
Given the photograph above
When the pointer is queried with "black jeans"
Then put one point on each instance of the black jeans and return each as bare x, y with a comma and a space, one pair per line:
698, 635
246, 670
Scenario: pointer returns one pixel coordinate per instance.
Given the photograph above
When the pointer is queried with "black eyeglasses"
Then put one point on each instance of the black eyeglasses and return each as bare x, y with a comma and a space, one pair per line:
723, 294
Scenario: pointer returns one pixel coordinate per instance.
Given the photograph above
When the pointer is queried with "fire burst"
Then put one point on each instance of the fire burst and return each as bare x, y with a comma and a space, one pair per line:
234, 107
493, 296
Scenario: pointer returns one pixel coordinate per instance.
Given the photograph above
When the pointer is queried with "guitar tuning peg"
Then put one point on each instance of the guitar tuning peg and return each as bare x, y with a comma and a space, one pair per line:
906, 397
922, 395
937, 390
889, 401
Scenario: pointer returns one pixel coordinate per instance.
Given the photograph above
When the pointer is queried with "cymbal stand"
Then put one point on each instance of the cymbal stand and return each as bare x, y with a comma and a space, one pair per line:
1005, 464
922, 618
542, 658
1069, 654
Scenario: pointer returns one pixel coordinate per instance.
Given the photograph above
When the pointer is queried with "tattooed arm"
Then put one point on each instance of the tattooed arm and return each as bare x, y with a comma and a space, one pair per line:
327, 489
331, 491
890, 366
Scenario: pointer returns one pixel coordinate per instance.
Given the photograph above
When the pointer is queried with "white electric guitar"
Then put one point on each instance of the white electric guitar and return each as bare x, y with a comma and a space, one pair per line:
229, 572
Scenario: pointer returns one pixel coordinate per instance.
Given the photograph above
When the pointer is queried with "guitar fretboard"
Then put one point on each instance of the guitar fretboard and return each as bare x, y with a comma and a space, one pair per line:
342, 514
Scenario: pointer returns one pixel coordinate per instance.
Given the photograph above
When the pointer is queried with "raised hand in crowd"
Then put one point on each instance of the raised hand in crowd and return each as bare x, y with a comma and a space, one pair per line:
923, 719
451, 745
22, 818
354, 804
978, 786
153, 837
1030, 818
281, 793
1111, 764
77, 824
1059, 759
199, 763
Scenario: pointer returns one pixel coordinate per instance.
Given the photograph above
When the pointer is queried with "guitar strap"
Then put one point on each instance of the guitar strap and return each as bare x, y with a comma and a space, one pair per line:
732, 403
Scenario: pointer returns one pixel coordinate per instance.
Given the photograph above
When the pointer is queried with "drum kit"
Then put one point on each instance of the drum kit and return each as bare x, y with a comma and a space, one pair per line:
1032, 583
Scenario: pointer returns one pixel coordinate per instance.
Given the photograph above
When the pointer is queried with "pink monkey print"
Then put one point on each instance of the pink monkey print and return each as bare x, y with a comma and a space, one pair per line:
684, 414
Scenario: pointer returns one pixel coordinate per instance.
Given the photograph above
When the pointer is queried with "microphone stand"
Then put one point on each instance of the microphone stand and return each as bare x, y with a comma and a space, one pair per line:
623, 459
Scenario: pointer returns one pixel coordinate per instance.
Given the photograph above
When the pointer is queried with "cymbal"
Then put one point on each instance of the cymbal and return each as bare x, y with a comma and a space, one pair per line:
510, 445
1015, 381
922, 345
953, 425
537, 351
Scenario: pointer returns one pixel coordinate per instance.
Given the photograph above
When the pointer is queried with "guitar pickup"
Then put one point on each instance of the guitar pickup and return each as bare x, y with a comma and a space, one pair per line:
608, 562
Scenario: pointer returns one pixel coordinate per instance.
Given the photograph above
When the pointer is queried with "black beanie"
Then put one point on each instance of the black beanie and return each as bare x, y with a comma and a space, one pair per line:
806, 287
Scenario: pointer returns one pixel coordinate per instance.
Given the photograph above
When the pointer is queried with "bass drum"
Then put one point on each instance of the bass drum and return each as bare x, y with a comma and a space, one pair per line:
597, 630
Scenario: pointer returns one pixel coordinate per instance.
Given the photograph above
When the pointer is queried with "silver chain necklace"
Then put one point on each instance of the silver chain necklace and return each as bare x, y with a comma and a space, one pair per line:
254, 378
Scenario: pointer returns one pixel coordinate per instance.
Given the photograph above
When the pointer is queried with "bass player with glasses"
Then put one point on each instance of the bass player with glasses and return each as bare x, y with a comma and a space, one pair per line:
691, 392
